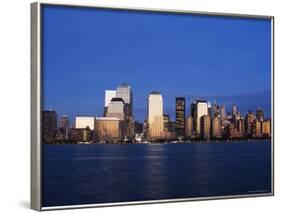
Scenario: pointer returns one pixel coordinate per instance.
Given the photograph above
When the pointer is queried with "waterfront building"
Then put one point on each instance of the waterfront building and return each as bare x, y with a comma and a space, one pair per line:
193, 107
249, 120
189, 126
82, 122
257, 129
266, 128
125, 92
76, 134
63, 127
87, 135
109, 129
241, 127
236, 119
116, 108
216, 127
259, 114
155, 115
180, 116
233, 131
138, 127
166, 121
201, 110
49, 125
109, 94
205, 126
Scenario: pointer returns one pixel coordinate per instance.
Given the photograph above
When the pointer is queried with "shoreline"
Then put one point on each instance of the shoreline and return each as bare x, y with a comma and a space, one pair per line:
164, 142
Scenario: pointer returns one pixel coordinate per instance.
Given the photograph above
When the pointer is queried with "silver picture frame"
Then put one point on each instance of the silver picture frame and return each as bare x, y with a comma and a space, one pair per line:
36, 104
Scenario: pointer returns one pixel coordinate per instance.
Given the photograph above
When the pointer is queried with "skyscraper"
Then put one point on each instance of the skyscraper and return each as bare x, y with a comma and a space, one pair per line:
222, 112
201, 110
209, 108
49, 125
166, 121
257, 129
241, 127
215, 110
125, 92
155, 115
193, 107
64, 126
180, 116
205, 126
216, 127
116, 108
234, 109
266, 128
249, 120
189, 126
259, 114
109, 94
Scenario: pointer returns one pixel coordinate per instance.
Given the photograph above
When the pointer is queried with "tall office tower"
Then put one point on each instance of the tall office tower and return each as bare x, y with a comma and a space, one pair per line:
236, 118
266, 128
83, 122
193, 107
180, 116
166, 121
64, 126
259, 114
209, 109
49, 125
249, 120
125, 92
215, 110
115, 108
205, 126
222, 112
189, 126
201, 110
257, 128
241, 127
155, 115
216, 127
234, 109
109, 94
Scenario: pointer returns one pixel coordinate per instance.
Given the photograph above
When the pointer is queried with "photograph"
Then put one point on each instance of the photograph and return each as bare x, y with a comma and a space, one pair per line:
153, 106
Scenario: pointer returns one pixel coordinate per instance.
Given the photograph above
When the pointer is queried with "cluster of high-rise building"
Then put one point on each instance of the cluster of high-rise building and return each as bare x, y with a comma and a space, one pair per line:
204, 121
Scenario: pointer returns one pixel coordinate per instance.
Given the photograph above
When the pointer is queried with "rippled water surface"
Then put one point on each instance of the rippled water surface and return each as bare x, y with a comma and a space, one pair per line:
99, 173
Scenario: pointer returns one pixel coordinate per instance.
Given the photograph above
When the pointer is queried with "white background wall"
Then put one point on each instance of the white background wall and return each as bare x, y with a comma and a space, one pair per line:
15, 107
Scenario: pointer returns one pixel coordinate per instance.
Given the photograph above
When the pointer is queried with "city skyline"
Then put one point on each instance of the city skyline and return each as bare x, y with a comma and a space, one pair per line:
205, 120
235, 56
171, 111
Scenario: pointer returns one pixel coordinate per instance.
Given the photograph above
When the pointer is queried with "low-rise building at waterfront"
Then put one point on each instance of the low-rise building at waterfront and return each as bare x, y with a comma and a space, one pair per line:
82, 122
109, 129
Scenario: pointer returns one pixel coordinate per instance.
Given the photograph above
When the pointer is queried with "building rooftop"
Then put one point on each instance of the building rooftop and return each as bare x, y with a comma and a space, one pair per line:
155, 93
117, 100
124, 85
108, 118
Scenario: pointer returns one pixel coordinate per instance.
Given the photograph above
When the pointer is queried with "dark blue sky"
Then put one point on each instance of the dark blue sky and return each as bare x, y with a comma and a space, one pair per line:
87, 50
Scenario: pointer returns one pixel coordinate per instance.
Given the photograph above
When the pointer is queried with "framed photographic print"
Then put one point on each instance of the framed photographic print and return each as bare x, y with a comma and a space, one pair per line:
138, 105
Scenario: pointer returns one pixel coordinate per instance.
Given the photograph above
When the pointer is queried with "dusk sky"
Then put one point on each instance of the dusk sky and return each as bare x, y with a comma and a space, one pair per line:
87, 50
